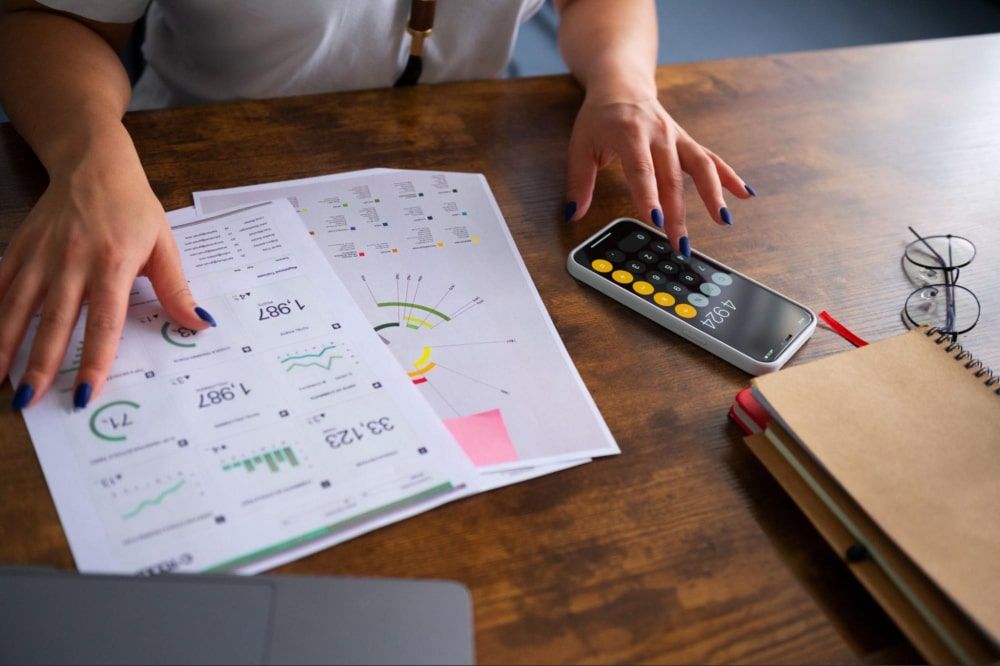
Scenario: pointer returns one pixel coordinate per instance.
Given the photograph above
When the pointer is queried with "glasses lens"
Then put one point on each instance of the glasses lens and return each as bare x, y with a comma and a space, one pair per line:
921, 276
937, 252
952, 309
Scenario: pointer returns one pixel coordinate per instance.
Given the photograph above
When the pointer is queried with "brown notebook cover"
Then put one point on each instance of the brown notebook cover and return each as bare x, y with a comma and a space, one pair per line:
932, 622
912, 437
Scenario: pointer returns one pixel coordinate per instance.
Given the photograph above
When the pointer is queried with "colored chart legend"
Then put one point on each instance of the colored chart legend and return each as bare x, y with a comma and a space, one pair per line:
272, 459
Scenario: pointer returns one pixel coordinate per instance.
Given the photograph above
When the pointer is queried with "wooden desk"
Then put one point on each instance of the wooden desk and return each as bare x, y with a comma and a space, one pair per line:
682, 549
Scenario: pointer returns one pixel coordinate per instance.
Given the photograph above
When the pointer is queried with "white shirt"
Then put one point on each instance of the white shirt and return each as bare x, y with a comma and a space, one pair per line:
215, 50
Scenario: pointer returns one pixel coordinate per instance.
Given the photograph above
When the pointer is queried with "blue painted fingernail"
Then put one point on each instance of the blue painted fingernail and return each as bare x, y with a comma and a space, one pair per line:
685, 246
752, 192
570, 210
22, 396
657, 217
81, 396
204, 316
726, 216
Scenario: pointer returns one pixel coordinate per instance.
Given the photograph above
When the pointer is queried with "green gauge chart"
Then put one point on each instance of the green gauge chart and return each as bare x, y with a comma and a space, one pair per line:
114, 421
178, 336
417, 321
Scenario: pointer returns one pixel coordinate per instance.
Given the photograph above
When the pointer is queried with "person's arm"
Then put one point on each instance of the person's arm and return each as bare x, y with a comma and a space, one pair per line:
610, 47
98, 223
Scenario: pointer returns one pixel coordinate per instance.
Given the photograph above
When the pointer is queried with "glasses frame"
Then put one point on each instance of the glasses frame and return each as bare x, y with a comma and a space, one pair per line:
951, 272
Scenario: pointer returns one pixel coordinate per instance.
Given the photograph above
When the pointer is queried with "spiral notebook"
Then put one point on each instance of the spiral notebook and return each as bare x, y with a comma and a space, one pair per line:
899, 442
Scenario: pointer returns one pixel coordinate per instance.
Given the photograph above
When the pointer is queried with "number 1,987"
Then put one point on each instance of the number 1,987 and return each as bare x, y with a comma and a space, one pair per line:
279, 309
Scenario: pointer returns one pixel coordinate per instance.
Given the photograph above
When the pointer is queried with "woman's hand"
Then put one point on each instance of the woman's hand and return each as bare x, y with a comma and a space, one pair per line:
655, 152
97, 226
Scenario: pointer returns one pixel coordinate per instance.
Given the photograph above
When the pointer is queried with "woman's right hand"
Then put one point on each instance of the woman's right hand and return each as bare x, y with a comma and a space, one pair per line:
96, 227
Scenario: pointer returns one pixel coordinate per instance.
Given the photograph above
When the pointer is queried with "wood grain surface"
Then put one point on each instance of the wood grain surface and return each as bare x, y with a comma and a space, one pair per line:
681, 549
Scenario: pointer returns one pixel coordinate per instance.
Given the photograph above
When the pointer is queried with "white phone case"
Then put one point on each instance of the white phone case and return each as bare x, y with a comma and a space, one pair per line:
685, 330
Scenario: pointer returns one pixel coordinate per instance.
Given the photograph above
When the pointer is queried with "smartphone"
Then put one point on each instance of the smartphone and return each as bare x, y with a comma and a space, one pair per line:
702, 300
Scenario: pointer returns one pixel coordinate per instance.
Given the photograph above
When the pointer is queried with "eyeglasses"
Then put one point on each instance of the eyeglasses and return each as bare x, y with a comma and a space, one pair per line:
933, 264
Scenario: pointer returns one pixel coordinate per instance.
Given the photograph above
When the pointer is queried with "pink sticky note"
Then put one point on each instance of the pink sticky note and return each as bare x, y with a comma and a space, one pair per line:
483, 437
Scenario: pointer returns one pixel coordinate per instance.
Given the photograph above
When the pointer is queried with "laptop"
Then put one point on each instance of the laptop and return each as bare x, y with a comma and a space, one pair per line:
56, 617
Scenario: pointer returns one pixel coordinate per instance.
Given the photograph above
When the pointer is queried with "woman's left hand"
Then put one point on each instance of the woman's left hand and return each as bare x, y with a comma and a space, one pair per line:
655, 152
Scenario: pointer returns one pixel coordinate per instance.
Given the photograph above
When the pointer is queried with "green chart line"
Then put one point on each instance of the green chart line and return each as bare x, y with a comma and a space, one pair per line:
159, 498
271, 459
318, 354
414, 306
327, 366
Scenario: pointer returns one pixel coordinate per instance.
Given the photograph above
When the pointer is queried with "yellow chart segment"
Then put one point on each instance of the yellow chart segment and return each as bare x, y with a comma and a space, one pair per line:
423, 357
422, 364
418, 322
422, 371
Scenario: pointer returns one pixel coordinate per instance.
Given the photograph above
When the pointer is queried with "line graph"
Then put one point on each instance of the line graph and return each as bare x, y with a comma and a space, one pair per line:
154, 501
323, 358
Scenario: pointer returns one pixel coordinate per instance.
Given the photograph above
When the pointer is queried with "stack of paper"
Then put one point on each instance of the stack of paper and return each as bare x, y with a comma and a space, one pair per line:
428, 258
380, 351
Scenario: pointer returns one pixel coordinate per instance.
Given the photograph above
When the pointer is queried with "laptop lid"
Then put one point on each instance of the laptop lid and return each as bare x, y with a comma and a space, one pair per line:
59, 617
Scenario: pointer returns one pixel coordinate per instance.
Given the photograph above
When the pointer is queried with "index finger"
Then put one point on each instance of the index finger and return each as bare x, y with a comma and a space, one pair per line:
670, 179
637, 163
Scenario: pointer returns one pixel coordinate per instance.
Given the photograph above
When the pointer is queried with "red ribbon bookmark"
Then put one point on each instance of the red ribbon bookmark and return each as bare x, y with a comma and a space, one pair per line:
841, 330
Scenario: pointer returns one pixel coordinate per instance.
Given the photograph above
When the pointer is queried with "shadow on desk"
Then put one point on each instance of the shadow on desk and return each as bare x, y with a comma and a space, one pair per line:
858, 619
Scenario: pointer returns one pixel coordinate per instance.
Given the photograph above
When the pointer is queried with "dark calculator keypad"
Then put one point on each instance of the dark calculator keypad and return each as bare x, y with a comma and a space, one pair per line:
656, 279
688, 278
700, 267
668, 268
635, 267
634, 242
648, 266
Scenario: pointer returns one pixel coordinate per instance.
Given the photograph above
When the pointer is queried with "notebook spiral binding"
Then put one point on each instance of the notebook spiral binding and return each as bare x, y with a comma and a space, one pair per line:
980, 370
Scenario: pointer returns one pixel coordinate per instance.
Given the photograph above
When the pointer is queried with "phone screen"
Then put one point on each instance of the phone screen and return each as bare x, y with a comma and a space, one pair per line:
742, 314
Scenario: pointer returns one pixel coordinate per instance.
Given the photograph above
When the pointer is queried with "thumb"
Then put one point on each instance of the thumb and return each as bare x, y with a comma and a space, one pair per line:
165, 272
580, 177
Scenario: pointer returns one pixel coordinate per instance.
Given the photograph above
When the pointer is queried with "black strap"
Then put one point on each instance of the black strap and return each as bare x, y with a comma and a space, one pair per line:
419, 26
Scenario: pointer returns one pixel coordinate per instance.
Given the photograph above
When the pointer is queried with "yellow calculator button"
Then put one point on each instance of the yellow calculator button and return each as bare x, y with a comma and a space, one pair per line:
686, 311
622, 277
642, 288
601, 265
663, 299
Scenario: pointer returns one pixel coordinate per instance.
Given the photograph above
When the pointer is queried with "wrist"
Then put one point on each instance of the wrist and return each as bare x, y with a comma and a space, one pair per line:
102, 148
620, 82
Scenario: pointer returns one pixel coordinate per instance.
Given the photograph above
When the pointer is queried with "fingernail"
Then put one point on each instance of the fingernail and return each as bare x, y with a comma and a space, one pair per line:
752, 192
204, 316
22, 396
726, 216
657, 217
81, 396
570, 210
685, 246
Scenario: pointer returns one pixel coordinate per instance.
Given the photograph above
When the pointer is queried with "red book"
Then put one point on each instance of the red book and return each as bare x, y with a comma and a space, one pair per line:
749, 415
